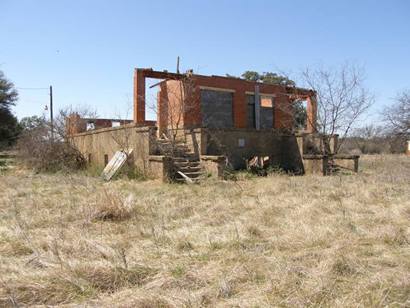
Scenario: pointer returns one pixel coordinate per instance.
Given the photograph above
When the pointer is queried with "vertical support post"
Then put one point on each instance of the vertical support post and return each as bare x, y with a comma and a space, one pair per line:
257, 109
139, 96
163, 114
239, 109
356, 164
311, 114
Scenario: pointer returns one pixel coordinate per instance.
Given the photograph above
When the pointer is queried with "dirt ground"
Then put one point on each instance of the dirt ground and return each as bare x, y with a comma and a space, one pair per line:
338, 241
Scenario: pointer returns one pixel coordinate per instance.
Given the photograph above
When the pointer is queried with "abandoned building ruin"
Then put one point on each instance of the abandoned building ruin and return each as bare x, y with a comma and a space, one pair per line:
208, 124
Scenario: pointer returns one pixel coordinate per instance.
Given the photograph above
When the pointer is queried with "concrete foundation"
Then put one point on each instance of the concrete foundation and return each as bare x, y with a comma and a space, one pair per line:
216, 149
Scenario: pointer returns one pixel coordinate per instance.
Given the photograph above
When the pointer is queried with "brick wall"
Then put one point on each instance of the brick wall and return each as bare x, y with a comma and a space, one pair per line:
192, 117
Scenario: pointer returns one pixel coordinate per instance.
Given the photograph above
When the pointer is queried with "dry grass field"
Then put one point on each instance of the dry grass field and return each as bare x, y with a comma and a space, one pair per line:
340, 241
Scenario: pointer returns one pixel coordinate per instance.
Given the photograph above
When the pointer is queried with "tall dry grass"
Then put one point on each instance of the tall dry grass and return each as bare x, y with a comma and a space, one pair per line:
260, 242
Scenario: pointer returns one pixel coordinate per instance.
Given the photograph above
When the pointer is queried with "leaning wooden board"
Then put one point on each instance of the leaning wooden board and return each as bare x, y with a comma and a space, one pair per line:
115, 164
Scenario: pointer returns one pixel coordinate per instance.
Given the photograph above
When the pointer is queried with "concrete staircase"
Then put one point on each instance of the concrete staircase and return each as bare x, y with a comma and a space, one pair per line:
184, 161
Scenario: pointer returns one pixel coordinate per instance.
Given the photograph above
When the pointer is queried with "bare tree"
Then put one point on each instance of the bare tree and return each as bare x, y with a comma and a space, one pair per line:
342, 99
397, 120
47, 147
397, 116
369, 139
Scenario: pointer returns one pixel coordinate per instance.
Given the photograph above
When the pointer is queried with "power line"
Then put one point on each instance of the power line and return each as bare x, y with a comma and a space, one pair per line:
31, 88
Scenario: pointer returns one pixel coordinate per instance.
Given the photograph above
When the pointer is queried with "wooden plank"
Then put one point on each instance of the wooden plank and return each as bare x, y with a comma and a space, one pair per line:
115, 164
186, 178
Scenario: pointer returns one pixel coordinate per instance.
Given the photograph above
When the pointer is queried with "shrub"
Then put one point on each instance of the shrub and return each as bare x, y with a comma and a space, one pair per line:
37, 150
113, 207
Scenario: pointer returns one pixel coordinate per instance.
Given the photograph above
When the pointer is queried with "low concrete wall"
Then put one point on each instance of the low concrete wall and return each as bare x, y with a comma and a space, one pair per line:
319, 164
315, 164
161, 167
100, 145
214, 165
314, 143
239, 145
216, 148
347, 162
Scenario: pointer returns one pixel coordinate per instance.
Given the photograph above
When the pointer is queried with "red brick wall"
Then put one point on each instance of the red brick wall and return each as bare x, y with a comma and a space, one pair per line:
192, 112
139, 96
283, 112
283, 104
311, 113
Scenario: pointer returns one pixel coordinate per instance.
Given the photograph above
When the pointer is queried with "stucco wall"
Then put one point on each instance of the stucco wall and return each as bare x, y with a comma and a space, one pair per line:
98, 143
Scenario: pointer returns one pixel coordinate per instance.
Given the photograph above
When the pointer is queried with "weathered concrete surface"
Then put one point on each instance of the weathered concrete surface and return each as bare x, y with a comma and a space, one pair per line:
239, 145
322, 164
214, 165
236, 146
315, 164
98, 144
160, 167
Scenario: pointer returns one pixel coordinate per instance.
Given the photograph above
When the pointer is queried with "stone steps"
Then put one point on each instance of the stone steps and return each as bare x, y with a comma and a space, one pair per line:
187, 169
183, 159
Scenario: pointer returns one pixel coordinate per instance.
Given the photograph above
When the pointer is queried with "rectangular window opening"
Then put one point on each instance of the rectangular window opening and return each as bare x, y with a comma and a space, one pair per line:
300, 115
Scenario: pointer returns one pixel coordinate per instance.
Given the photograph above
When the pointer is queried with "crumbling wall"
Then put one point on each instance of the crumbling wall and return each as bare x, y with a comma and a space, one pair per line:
239, 145
98, 146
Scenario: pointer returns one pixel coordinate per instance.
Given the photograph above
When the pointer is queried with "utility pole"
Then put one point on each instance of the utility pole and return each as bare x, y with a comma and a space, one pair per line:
51, 112
178, 65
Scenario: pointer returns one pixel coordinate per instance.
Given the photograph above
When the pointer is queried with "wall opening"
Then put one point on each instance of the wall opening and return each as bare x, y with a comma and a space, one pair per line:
300, 115
216, 109
151, 98
105, 159
267, 111
250, 99
90, 126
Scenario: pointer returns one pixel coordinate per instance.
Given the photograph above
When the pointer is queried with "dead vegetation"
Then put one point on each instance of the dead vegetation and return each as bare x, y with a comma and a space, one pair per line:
272, 241
44, 150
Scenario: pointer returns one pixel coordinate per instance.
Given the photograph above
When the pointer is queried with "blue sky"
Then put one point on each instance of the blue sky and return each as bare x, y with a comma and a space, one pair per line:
87, 49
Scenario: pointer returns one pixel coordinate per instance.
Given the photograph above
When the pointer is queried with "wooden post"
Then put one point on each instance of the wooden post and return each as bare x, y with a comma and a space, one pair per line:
51, 113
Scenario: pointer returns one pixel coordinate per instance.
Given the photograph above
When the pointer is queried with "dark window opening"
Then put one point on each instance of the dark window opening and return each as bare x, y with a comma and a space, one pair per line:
266, 110
216, 109
105, 159
250, 99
